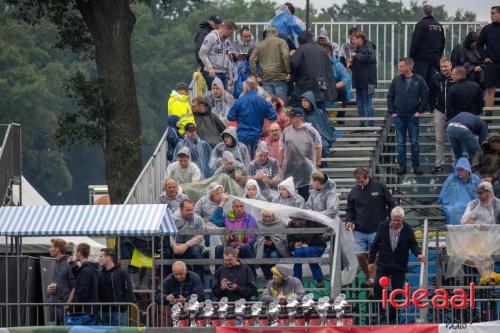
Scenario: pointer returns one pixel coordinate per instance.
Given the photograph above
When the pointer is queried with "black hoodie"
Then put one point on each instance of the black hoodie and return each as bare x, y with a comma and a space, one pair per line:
114, 285
86, 283
205, 28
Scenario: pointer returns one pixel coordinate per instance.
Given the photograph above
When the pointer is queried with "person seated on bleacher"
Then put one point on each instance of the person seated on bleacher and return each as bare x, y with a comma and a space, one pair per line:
265, 170
234, 280
306, 246
462, 131
282, 285
171, 195
183, 170
178, 287
485, 209
187, 246
458, 190
239, 220
252, 190
232, 168
200, 150
391, 245
319, 120
323, 198
272, 245
368, 205
486, 164
210, 127
288, 195
229, 143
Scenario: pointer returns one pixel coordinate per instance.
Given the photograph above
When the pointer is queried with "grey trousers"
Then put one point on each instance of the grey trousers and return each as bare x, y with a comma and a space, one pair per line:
439, 119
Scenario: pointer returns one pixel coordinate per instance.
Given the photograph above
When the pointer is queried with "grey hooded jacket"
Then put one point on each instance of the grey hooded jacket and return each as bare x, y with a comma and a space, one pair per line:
294, 200
214, 52
290, 285
324, 201
239, 150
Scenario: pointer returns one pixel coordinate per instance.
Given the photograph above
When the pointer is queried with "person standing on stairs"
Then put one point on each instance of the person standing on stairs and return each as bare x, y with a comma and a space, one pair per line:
369, 204
438, 93
408, 98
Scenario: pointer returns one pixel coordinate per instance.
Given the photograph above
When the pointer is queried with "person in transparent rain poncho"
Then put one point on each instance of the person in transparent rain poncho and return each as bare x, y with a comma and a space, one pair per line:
483, 210
229, 143
300, 151
288, 195
252, 190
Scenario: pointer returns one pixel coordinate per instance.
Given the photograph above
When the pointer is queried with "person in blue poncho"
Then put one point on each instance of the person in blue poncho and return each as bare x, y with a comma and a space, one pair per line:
286, 23
319, 120
343, 83
458, 189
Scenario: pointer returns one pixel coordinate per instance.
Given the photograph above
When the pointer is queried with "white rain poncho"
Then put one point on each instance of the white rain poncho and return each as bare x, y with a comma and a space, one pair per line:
479, 213
349, 261
219, 105
258, 195
294, 200
472, 244
300, 153
188, 175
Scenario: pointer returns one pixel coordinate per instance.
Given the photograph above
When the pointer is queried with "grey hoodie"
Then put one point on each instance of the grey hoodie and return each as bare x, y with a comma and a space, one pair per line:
196, 223
294, 200
239, 150
324, 201
205, 206
279, 239
290, 285
214, 52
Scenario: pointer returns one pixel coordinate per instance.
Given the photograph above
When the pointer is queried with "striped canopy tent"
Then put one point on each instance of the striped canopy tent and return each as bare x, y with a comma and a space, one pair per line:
104, 220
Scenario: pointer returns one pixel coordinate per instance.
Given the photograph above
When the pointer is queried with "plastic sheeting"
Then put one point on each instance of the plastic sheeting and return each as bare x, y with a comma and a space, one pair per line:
196, 190
349, 261
472, 244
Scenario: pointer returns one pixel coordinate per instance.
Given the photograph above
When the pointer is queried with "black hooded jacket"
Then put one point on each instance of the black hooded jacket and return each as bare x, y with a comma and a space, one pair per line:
115, 286
86, 290
312, 69
205, 28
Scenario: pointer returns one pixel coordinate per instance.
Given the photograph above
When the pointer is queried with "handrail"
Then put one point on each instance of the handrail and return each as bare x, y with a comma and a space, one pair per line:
149, 184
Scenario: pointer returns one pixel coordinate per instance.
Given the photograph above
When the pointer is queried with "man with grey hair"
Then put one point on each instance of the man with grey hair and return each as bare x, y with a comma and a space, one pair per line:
427, 44
392, 243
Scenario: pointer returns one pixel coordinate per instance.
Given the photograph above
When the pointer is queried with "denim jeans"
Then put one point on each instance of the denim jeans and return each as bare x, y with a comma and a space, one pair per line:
277, 88
459, 138
365, 105
309, 252
251, 146
403, 125
194, 252
269, 252
222, 76
114, 318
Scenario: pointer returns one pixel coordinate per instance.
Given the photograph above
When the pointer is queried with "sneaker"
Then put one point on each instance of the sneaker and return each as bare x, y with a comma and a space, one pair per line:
401, 171
438, 170
417, 171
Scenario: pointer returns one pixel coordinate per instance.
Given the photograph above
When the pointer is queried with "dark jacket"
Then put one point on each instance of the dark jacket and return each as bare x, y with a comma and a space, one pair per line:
368, 207
427, 42
312, 70
240, 274
397, 260
309, 239
209, 127
488, 42
114, 285
487, 163
468, 56
364, 66
438, 91
190, 286
473, 122
464, 96
319, 120
205, 28
86, 290
406, 100
61, 273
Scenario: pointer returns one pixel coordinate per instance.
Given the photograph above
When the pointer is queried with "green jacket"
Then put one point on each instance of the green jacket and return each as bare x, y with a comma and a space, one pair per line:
273, 57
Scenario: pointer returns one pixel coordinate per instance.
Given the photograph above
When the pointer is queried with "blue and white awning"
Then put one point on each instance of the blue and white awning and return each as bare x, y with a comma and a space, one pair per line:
104, 220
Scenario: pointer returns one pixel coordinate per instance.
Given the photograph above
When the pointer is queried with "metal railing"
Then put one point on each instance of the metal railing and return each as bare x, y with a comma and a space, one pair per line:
10, 163
149, 184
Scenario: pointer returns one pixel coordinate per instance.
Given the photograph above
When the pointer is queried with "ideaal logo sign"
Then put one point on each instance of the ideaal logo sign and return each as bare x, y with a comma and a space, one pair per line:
441, 298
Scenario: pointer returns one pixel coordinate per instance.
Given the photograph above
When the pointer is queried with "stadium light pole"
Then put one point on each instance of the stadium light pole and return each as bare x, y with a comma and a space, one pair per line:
307, 15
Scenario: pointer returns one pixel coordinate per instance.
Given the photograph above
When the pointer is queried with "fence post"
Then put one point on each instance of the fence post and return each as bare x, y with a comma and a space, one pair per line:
424, 266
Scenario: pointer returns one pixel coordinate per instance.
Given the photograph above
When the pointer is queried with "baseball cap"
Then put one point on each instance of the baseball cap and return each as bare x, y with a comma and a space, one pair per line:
485, 186
215, 18
190, 127
297, 112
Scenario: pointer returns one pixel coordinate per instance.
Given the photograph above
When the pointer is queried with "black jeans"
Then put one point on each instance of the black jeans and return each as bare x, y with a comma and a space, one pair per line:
426, 69
397, 282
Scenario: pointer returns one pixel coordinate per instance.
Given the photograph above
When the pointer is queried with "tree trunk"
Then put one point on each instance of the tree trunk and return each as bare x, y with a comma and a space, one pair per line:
111, 23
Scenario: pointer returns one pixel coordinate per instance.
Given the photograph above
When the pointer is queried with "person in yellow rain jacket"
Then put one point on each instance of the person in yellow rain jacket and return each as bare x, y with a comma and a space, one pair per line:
178, 105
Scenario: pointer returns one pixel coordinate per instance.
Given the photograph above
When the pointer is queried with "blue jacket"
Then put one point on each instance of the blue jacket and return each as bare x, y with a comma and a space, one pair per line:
456, 194
286, 23
473, 122
242, 77
250, 111
319, 120
342, 74
406, 101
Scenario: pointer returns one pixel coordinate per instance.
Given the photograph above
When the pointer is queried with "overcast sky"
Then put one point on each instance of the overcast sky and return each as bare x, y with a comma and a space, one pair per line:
480, 7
